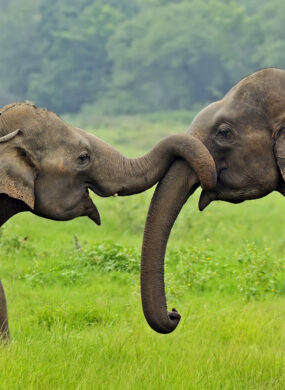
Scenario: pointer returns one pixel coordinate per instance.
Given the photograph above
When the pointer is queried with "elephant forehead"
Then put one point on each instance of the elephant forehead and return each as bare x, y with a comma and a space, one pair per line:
44, 130
211, 117
237, 114
58, 140
203, 121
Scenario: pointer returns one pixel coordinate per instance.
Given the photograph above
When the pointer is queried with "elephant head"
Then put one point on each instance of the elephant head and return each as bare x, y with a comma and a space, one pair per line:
245, 134
47, 166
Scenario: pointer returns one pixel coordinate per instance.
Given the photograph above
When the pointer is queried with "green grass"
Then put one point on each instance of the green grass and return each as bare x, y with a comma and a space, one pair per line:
74, 299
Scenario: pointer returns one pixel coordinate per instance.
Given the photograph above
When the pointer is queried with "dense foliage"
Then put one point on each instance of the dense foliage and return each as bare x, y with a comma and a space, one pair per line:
134, 56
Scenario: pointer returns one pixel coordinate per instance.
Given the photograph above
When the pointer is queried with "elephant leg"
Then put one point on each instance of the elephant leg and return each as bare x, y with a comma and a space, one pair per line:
4, 327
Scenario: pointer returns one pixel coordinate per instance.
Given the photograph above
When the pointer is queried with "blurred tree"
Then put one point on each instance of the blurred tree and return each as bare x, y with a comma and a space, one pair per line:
18, 44
235, 35
54, 53
75, 68
138, 56
271, 49
164, 58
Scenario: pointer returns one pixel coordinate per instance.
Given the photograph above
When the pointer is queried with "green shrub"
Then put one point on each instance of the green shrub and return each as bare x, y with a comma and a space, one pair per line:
258, 272
15, 244
251, 272
108, 256
74, 265
198, 270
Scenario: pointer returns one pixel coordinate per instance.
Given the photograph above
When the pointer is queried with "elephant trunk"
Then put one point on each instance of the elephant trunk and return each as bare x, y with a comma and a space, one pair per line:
170, 195
131, 176
4, 329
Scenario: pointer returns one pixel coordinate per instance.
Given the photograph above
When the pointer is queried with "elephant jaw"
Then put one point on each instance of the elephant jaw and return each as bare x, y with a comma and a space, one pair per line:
231, 196
206, 198
92, 211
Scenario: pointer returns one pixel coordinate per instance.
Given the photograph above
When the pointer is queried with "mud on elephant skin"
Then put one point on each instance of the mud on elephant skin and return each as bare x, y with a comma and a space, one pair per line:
48, 167
245, 134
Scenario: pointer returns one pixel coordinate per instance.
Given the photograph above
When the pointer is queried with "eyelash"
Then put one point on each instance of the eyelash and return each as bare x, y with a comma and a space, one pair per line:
224, 132
84, 157
225, 135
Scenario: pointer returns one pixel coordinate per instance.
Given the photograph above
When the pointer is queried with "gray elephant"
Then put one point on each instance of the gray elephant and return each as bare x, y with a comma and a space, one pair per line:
47, 168
245, 134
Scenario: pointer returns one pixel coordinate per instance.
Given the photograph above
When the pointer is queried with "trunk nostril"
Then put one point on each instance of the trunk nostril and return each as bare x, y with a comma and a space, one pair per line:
174, 315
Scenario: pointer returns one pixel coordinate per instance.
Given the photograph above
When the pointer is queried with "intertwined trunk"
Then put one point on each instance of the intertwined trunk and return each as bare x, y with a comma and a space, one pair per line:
131, 176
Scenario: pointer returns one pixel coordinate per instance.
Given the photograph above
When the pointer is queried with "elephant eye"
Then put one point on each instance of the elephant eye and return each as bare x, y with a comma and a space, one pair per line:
84, 157
224, 135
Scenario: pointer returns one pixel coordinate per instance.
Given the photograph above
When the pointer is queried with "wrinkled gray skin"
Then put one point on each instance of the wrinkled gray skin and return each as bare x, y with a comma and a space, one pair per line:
47, 167
245, 134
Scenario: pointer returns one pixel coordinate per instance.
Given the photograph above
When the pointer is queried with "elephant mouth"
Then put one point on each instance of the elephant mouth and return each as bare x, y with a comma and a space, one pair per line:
207, 197
224, 194
92, 211
97, 190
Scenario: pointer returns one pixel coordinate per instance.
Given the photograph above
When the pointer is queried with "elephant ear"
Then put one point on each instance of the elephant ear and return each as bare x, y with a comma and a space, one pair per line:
17, 173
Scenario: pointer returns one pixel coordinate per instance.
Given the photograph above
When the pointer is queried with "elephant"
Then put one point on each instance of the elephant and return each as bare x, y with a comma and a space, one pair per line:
245, 134
48, 167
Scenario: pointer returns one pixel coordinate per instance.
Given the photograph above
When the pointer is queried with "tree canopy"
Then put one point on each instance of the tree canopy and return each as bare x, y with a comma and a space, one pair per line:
134, 56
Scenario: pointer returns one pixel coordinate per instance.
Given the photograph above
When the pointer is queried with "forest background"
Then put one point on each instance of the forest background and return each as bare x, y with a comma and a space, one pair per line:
113, 57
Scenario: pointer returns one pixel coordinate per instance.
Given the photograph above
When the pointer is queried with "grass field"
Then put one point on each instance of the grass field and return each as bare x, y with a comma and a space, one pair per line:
74, 300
